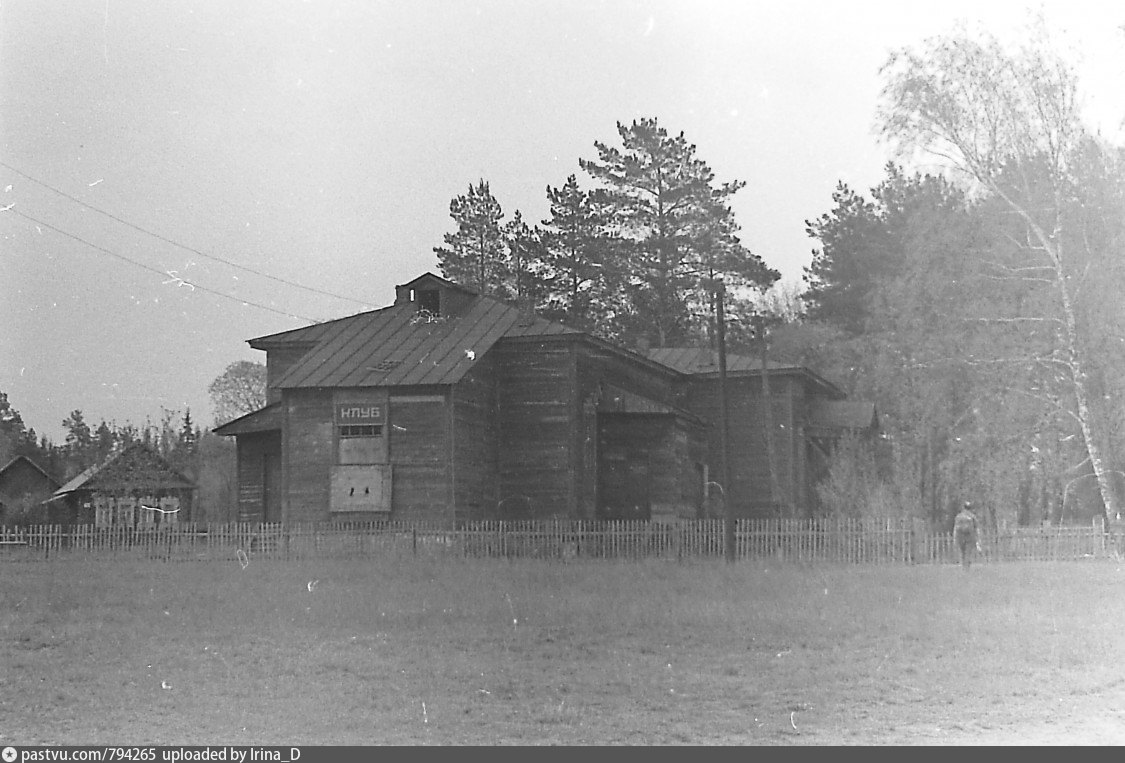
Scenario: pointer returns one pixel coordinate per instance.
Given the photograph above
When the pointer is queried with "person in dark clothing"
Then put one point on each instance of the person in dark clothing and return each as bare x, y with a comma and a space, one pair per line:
965, 531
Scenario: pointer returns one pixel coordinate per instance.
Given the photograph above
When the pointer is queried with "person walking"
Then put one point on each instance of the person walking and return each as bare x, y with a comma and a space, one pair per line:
965, 531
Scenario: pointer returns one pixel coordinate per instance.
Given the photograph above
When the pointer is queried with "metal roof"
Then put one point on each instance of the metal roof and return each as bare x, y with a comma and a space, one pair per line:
705, 362
398, 346
306, 335
262, 420
695, 360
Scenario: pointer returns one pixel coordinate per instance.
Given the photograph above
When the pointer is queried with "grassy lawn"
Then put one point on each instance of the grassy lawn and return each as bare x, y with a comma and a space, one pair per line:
453, 651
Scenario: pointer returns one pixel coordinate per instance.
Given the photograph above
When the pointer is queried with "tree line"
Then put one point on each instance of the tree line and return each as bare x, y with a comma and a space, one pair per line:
200, 455
972, 294
977, 301
628, 258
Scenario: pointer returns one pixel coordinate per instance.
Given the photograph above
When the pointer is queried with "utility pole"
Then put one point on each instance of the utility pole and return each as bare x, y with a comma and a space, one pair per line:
718, 288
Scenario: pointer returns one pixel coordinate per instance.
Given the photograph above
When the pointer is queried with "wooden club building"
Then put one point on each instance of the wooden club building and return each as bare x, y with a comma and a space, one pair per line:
450, 405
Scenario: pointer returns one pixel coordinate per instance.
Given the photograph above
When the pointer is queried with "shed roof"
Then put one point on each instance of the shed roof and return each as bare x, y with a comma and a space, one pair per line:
701, 361
265, 419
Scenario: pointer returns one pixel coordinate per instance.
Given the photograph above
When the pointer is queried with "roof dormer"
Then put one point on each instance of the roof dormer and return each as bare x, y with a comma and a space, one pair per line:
435, 296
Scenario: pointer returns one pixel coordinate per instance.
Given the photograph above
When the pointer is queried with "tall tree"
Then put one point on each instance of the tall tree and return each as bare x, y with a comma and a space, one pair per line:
525, 261
1009, 121
79, 443
914, 333
863, 243
239, 390
476, 254
189, 433
579, 286
674, 228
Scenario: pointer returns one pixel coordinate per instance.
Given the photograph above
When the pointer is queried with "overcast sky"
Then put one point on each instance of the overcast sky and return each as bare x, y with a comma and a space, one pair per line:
282, 144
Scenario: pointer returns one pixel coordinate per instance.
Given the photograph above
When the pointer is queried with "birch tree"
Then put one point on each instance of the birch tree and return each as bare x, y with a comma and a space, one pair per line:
1009, 121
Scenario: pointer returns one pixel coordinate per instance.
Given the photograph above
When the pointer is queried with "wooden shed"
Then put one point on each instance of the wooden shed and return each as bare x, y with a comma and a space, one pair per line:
135, 488
794, 434
450, 405
24, 485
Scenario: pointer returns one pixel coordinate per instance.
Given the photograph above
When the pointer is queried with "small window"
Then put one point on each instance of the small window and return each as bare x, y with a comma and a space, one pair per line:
361, 430
361, 444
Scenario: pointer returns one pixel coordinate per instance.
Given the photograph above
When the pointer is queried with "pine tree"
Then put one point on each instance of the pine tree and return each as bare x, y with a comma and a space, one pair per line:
579, 287
525, 260
477, 255
189, 434
79, 443
673, 228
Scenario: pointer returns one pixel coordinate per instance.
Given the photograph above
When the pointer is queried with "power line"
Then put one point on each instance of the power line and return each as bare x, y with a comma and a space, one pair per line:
185, 247
151, 269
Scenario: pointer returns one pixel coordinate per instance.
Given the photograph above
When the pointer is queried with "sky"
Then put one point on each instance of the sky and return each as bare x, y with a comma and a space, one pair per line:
186, 175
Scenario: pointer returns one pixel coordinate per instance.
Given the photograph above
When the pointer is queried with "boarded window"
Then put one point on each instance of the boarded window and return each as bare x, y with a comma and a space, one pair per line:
361, 444
361, 489
359, 433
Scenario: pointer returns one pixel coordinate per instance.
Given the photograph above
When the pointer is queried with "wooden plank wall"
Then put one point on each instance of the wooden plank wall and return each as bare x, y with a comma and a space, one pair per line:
597, 368
475, 442
252, 450
749, 462
537, 412
419, 453
309, 453
278, 361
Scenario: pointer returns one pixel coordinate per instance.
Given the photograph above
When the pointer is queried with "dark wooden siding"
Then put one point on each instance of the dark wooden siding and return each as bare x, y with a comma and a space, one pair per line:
475, 442
751, 491
537, 412
598, 370
308, 453
659, 458
23, 482
278, 361
420, 455
259, 457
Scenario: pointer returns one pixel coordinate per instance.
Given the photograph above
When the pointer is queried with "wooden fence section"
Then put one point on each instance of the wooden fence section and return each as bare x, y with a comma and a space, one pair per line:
835, 540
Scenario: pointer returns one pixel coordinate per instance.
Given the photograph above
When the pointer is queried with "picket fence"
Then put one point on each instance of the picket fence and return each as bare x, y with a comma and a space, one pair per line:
840, 540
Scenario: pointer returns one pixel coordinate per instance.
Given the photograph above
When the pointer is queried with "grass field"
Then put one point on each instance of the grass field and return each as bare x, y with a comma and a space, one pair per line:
453, 651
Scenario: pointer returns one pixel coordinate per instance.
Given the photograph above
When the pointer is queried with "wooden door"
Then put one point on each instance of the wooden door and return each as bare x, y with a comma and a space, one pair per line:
623, 483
